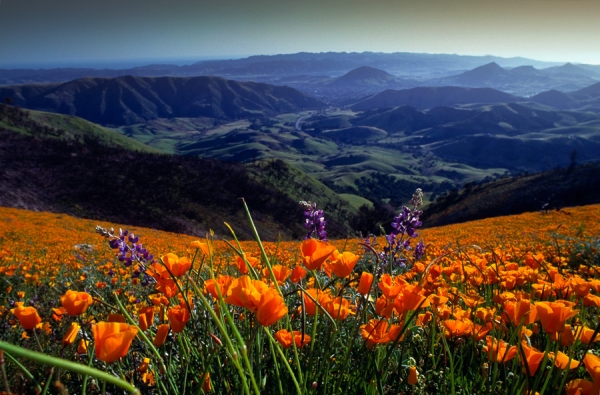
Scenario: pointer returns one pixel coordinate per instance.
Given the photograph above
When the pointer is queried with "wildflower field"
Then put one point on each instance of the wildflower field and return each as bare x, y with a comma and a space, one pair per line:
506, 305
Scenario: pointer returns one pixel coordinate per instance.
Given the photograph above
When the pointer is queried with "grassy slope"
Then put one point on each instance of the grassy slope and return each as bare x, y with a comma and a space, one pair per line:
64, 127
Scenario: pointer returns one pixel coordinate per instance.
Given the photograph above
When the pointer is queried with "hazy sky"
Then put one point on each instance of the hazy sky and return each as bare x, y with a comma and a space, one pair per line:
39, 33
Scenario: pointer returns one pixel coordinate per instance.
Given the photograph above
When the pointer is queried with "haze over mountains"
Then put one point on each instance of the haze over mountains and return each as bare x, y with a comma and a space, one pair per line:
371, 127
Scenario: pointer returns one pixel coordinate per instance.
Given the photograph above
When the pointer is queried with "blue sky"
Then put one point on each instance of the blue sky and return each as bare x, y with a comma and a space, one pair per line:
44, 33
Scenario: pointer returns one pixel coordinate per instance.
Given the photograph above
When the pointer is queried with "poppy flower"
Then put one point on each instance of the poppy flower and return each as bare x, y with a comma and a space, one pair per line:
271, 308
167, 287
498, 350
82, 347
561, 360
28, 316
533, 358
391, 287
241, 263
413, 375
71, 334
378, 331
161, 335
206, 384
458, 328
201, 246
298, 274
315, 253
75, 302
285, 338
177, 266
580, 387
585, 334
146, 318
113, 340
519, 312
245, 292
553, 315
343, 264
220, 285
143, 368
320, 296
281, 273
364, 285
178, 317
338, 308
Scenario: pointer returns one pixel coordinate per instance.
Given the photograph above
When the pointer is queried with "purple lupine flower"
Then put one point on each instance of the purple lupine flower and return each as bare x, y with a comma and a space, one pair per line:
419, 250
404, 228
314, 221
129, 254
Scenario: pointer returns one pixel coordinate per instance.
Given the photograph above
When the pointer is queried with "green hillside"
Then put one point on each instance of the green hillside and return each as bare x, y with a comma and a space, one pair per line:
64, 127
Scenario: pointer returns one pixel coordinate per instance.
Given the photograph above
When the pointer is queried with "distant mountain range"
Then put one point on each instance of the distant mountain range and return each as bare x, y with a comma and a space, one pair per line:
128, 100
522, 80
267, 68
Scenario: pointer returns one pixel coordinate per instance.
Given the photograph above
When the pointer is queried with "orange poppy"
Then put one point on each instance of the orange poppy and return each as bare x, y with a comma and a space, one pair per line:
315, 253
75, 302
561, 360
177, 266
245, 292
585, 334
284, 337
71, 334
320, 296
298, 274
161, 335
221, 284
167, 287
206, 384
28, 316
364, 285
338, 308
378, 331
271, 308
281, 273
146, 318
498, 350
458, 328
202, 246
519, 312
391, 287
178, 317
580, 387
113, 340
241, 263
553, 315
82, 347
343, 264
533, 358
413, 375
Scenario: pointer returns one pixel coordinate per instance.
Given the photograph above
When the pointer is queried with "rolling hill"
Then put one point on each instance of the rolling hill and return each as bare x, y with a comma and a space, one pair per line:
128, 100
429, 97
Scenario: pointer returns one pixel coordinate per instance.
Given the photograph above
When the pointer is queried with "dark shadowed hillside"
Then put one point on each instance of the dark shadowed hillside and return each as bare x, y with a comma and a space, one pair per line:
572, 186
128, 100
91, 176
